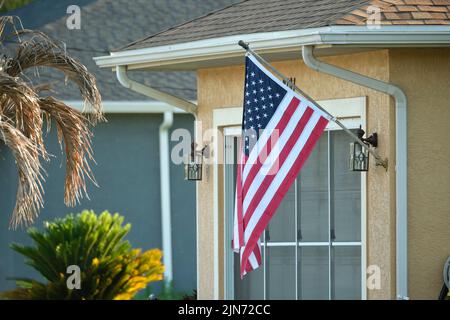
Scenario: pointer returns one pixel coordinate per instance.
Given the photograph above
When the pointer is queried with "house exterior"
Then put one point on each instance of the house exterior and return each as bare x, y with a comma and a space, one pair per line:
127, 148
338, 234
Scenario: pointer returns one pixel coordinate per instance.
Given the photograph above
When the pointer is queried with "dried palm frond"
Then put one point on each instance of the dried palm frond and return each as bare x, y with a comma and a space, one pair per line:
10, 28
29, 199
21, 130
75, 136
5, 20
42, 87
41, 51
22, 112
20, 103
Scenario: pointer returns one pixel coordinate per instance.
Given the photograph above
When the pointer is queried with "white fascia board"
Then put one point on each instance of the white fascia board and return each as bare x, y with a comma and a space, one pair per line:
129, 106
388, 36
216, 47
279, 41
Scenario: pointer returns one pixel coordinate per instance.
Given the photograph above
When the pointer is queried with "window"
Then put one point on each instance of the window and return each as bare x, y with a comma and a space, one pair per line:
313, 247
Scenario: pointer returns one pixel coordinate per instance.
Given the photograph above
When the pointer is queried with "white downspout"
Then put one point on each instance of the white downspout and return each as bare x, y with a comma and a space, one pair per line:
166, 223
401, 156
121, 74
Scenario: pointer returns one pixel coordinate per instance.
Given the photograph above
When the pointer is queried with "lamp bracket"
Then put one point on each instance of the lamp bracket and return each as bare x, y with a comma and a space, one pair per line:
372, 140
203, 151
382, 163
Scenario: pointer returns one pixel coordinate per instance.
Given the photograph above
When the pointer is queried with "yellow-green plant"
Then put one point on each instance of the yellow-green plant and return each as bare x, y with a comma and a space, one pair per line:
110, 268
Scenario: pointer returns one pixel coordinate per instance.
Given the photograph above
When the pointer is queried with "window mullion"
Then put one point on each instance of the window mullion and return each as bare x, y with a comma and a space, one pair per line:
332, 219
298, 237
265, 265
329, 214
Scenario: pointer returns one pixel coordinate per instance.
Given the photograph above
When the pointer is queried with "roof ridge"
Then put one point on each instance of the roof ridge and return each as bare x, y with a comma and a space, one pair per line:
178, 25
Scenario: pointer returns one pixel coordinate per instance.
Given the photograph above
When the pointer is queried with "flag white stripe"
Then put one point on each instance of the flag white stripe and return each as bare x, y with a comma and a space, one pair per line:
264, 137
253, 261
276, 182
252, 258
273, 156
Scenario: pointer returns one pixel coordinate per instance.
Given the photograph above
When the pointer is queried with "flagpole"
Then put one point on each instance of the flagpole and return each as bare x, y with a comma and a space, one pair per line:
379, 160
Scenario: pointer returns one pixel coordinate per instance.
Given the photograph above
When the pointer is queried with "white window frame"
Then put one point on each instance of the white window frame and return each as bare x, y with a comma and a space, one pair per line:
352, 113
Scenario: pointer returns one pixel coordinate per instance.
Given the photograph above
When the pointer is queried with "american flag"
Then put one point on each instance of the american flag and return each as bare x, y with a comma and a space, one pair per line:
279, 130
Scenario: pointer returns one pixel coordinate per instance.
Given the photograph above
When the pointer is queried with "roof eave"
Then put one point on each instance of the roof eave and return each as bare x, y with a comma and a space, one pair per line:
168, 56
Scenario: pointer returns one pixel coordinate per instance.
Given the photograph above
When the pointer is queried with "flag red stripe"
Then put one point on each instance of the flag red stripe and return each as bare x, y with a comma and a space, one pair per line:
284, 187
277, 165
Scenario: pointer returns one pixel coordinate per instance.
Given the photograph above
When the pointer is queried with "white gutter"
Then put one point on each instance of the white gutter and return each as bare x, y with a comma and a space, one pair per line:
279, 41
121, 74
401, 156
166, 221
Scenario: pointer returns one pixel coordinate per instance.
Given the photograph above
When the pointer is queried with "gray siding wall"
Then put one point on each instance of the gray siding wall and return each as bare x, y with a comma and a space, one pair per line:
127, 153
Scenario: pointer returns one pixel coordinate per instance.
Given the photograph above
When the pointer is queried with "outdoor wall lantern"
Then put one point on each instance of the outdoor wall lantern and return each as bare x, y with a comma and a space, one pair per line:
359, 156
194, 162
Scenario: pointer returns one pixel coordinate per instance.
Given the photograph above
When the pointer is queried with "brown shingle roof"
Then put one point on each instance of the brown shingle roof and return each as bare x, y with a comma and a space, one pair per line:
405, 12
256, 16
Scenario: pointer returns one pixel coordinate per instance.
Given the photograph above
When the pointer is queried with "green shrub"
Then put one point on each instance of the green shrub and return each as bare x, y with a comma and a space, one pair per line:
110, 268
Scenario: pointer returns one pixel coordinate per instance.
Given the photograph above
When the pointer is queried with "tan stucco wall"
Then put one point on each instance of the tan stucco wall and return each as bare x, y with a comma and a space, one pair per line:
223, 87
424, 75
